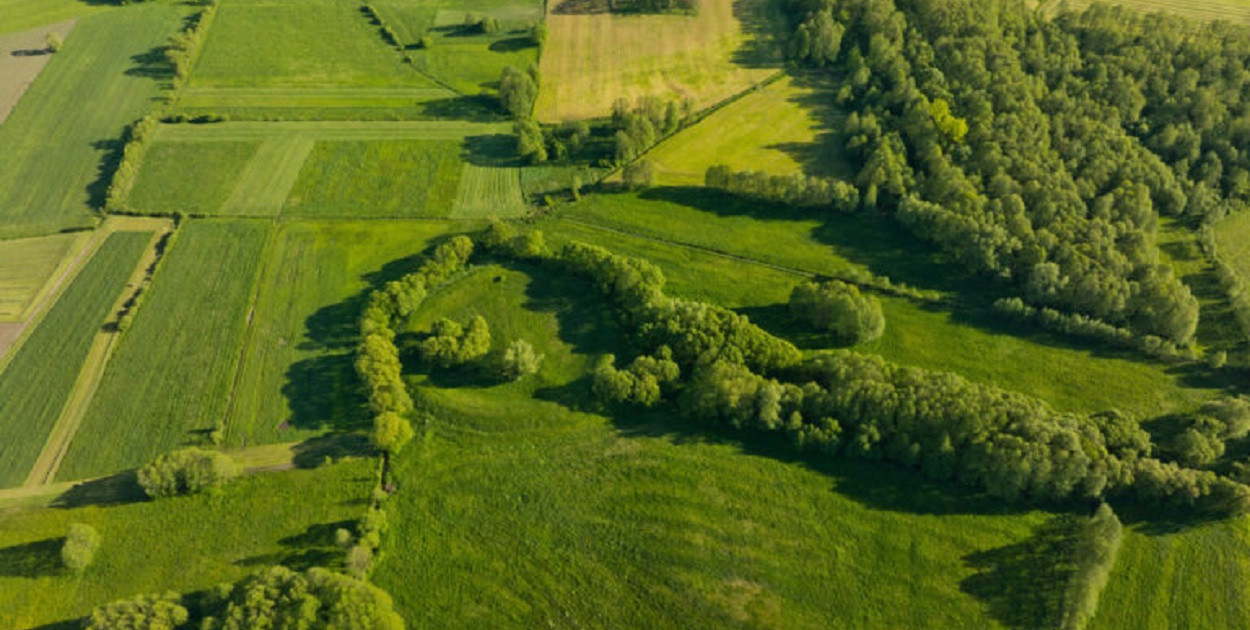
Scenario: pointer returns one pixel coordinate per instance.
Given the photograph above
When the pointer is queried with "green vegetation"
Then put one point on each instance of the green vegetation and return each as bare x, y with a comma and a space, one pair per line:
37, 382
20, 15
27, 266
189, 177
839, 308
67, 122
377, 179
186, 471
80, 546
169, 380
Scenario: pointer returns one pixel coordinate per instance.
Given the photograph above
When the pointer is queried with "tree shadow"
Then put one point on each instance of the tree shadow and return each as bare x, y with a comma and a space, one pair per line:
1023, 584
33, 559
582, 7
110, 158
314, 547
512, 44
325, 392
764, 24
117, 489
314, 452
152, 64
491, 150
68, 624
475, 108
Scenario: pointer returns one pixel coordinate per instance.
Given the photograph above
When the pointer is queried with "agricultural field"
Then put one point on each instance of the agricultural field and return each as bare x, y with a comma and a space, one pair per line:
22, 56
28, 268
1237, 11
22, 15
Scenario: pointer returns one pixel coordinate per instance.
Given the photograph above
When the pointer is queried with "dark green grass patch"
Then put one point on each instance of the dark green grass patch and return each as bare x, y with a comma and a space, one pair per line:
169, 379
37, 382
185, 544
189, 177
400, 178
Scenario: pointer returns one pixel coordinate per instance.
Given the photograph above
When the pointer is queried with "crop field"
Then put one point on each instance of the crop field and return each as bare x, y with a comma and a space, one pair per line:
37, 381
27, 268
1237, 11
170, 377
21, 15
190, 177
296, 378
488, 191
151, 547
50, 167
377, 179
773, 130
591, 60
314, 103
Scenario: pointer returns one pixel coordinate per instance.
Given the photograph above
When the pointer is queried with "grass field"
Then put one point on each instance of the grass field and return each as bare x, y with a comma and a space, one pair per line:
377, 179
1232, 238
589, 61
297, 376
1237, 11
20, 15
488, 191
189, 177
68, 123
38, 380
316, 103
282, 43
774, 130
22, 56
185, 544
28, 267
171, 374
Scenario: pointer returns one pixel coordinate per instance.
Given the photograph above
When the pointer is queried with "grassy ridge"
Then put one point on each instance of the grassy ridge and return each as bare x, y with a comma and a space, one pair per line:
297, 377
171, 373
26, 267
37, 382
184, 544
67, 122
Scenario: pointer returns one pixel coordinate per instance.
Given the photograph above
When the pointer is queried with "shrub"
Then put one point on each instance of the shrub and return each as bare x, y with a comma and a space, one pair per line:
186, 471
520, 360
80, 546
1096, 551
54, 41
839, 308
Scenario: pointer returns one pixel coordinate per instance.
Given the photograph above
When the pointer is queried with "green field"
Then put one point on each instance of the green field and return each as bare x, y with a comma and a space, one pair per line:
172, 372
37, 382
71, 119
28, 266
489, 191
189, 177
297, 377
316, 103
1237, 11
377, 179
185, 544
20, 15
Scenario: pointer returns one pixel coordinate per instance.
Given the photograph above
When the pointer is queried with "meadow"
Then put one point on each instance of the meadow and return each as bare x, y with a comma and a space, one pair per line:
377, 179
185, 544
590, 60
189, 177
169, 379
28, 268
38, 380
50, 169
20, 15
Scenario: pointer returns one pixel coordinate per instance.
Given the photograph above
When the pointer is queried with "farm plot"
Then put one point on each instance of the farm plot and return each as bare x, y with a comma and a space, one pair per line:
589, 61
37, 382
488, 191
170, 377
377, 179
21, 15
27, 268
284, 43
70, 119
297, 377
22, 56
189, 177
312, 103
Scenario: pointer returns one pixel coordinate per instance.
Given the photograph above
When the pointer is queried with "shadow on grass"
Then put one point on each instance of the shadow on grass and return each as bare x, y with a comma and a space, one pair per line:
475, 108
314, 547
1023, 584
491, 150
314, 452
112, 490
31, 560
512, 44
68, 624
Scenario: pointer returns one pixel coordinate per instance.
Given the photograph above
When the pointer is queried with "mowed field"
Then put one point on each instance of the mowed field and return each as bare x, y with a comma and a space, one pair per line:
37, 381
184, 544
1237, 11
71, 117
589, 61
169, 379
28, 268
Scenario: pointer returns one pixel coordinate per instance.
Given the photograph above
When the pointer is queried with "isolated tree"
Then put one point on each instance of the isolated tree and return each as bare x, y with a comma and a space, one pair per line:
839, 308
54, 41
519, 360
517, 91
639, 175
80, 546
538, 33
186, 471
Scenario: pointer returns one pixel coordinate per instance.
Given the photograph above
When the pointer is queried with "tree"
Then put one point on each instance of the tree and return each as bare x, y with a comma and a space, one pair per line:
839, 308
638, 175
54, 41
186, 471
538, 33
142, 612
520, 360
80, 546
391, 432
451, 343
530, 143
517, 91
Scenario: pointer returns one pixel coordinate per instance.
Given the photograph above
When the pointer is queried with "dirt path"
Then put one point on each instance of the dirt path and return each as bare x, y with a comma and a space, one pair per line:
22, 57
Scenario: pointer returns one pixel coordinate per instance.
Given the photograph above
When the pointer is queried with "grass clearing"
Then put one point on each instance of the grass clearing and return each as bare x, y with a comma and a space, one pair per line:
297, 377
377, 179
69, 121
589, 61
184, 544
169, 379
1232, 238
28, 268
189, 177
37, 382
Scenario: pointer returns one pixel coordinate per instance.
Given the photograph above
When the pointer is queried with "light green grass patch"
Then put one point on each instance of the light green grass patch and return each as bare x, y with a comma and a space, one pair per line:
37, 382
189, 177
297, 377
66, 122
172, 371
263, 186
184, 544
377, 179
28, 266
20, 15
488, 191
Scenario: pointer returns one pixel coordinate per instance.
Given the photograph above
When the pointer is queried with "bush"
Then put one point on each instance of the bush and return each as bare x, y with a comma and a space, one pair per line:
638, 175
839, 308
54, 42
451, 344
80, 546
186, 471
520, 360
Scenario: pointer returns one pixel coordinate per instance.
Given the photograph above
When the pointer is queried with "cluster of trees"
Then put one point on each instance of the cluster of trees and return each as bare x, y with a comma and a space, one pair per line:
186, 471
180, 53
796, 189
638, 174
377, 357
485, 24
79, 547
839, 308
1090, 328
640, 383
557, 142
1097, 546
1200, 440
1036, 150
450, 343
642, 124
518, 89
277, 597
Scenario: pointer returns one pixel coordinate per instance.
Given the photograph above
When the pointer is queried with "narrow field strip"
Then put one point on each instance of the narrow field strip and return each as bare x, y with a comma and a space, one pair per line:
488, 191
206, 97
263, 187
36, 384
332, 130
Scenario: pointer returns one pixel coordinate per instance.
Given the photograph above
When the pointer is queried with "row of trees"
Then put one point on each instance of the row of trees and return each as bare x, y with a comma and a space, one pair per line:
1090, 328
796, 189
639, 125
180, 53
1023, 146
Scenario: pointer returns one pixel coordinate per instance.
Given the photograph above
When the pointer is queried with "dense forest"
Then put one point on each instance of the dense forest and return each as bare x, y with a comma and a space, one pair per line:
1042, 149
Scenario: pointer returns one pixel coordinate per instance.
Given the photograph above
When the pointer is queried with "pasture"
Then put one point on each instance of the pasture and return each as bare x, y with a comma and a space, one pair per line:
313, 103
169, 379
590, 60
185, 543
70, 119
38, 380
28, 268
